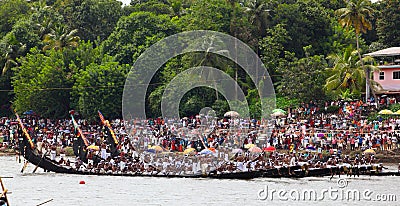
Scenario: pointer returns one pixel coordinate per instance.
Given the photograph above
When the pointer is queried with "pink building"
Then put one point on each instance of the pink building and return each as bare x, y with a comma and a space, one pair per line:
389, 75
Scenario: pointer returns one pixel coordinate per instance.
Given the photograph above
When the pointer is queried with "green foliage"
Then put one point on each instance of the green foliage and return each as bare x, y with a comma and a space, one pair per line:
394, 107
12, 11
134, 33
99, 87
272, 49
41, 83
285, 103
92, 18
346, 73
220, 107
388, 22
155, 7
303, 79
63, 54
208, 15
332, 109
307, 23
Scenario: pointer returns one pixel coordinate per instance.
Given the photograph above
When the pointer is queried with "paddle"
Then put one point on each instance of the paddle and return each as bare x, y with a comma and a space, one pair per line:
4, 191
45, 202
24, 167
44, 155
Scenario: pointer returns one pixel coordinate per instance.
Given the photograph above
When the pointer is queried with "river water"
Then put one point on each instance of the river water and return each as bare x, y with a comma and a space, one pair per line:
64, 189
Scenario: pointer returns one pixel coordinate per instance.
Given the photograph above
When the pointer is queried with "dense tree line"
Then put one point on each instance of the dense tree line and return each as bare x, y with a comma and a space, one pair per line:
58, 55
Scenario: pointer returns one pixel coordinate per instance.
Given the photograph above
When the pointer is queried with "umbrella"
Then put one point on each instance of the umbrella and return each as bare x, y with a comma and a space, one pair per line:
212, 149
310, 148
206, 152
151, 150
30, 112
189, 151
278, 114
279, 110
13, 123
255, 150
334, 116
93, 147
231, 114
385, 111
157, 148
248, 146
269, 149
369, 151
320, 135
237, 150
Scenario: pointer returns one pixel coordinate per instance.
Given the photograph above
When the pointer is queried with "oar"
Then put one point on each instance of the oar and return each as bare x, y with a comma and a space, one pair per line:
5, 191
24, 167
37, 166
45, 202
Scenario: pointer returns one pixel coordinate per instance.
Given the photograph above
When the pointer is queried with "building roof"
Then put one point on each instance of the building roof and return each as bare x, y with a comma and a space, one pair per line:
392, 51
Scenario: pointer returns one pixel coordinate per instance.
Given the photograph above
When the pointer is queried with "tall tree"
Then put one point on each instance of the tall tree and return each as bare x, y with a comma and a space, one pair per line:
12, 11
93, 18
134, 33
356, 15
303, 79
60, 38
99, 87
347, 73
388, 22
41, 83
259, 15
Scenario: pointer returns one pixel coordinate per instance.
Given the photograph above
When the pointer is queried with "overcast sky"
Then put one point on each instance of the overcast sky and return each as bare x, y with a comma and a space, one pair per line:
125, 1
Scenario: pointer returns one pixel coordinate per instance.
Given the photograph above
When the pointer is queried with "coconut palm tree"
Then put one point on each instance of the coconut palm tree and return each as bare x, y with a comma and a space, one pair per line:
356, 15
210, 44
258, 14
11, 53
59, 38
347, 73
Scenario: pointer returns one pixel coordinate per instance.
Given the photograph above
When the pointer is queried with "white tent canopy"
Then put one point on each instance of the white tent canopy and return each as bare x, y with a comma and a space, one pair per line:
392, 51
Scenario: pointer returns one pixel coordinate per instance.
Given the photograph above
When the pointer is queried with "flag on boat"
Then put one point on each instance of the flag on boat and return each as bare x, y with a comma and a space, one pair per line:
103, 121
79, 131
24, 131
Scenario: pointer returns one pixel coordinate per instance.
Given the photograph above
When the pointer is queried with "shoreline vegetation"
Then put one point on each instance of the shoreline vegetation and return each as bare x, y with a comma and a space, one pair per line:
79, 56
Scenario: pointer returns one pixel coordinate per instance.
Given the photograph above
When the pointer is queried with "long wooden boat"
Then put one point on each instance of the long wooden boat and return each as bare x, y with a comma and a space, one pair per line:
288, 172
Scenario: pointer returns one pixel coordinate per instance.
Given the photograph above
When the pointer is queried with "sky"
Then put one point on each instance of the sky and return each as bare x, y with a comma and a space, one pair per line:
126, 2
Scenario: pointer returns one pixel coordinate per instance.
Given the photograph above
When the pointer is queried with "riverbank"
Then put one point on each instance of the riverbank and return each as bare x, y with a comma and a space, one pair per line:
7, 152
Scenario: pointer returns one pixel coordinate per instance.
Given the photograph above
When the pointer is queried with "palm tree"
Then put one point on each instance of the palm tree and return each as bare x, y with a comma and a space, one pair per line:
12, 52
59, 38
347, 74
258, 15
210, 44
355, 15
